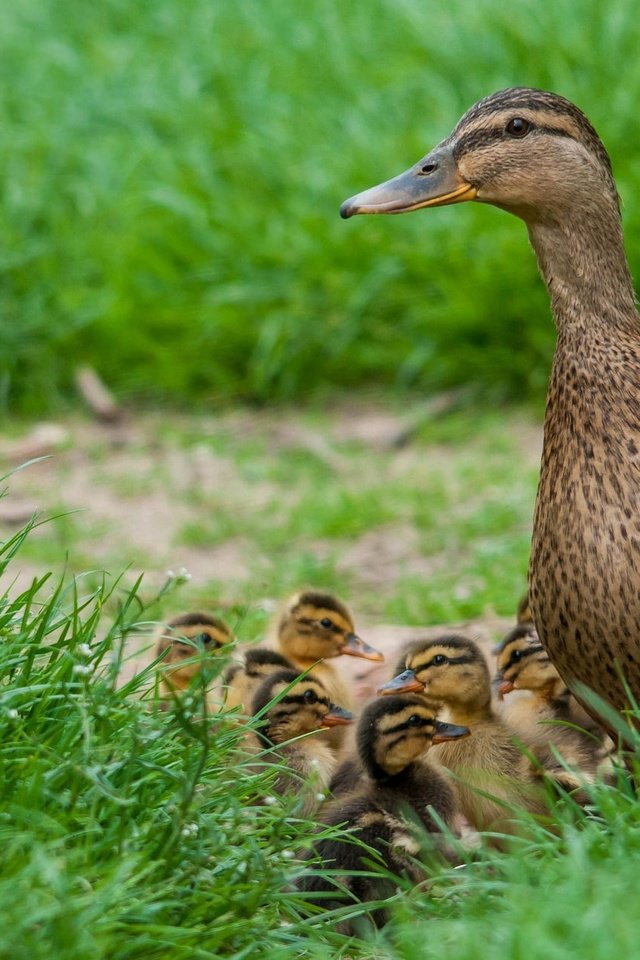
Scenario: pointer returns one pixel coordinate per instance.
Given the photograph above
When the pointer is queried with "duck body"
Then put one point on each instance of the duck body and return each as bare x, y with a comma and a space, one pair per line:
390, 811
536, 155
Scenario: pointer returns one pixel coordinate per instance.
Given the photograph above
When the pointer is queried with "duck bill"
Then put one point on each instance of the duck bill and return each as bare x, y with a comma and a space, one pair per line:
449, 731
506, 687
433, 182
406, 682
356, 647
337, 716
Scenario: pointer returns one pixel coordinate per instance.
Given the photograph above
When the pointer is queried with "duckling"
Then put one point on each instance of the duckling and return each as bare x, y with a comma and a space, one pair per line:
493, 773
183, 662
523, 664
314, 628
303, 708
391, 811
242, 679
536, 155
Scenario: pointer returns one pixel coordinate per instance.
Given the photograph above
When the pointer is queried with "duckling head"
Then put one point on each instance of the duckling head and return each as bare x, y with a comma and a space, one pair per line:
524, 665
258, 663
317, 626
450, 669
291, 706
187, 639
523, 613
394, 731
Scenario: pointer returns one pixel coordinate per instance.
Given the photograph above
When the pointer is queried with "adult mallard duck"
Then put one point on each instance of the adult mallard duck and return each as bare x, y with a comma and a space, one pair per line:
537, 156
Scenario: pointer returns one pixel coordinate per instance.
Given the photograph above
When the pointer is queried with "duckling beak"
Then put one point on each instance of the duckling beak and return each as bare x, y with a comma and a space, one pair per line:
356, 647
406, 682
449, 731
337, 716
433, 182
506, 687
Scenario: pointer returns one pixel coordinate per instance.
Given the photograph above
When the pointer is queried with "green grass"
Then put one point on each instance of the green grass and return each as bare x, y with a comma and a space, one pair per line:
131, 833
171, 176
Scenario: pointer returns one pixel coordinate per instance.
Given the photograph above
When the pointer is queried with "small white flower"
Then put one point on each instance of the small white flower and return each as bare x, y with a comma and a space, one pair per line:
13, 714
169, 574
287, 854
183, 575
315, 763
84, 649
320, 797
270, 801
190, 830
82, 669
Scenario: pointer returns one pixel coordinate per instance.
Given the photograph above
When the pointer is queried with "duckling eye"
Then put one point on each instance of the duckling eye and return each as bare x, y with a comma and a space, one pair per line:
439, 659
518, 127
414, 720
326, 623
203, 638
310, 696
516, 655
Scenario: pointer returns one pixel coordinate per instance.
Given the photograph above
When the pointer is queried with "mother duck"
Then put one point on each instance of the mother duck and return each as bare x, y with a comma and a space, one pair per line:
537, 156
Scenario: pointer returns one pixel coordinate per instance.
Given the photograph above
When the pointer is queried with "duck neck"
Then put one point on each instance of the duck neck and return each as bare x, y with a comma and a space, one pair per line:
585, 269
470, 712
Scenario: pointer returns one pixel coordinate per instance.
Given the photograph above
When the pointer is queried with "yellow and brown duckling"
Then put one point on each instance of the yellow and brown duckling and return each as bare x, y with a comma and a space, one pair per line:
243, 677
536, 155
492, 775
189, 640
391, 811
524, 665
523, 612
284, 729
312, 630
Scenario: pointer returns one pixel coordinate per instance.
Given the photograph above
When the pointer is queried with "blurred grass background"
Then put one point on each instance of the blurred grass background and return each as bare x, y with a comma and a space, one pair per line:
171, 174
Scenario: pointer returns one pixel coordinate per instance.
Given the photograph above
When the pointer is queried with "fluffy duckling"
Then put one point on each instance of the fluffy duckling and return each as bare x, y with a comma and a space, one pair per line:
393, 736
242, 679
523, 664
183, 661
494, 775
313, 629
523, 613
303, 707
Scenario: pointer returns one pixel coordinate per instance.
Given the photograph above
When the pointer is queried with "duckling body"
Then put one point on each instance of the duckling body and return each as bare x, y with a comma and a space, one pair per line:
304, 708
242, 679
313, 629
492, 775
393, 735
184, 660
536, 155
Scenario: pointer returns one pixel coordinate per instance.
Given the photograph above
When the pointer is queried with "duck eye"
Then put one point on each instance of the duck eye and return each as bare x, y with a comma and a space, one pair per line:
439, 659
326, 623
516, 655
310, 696
518, 127
414, 720
204, 638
